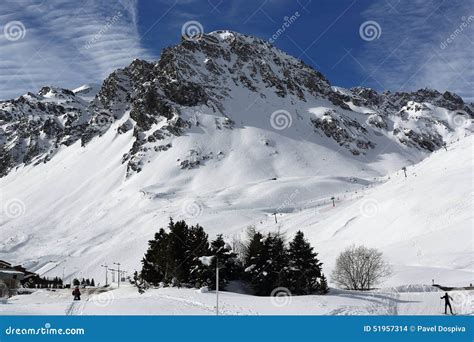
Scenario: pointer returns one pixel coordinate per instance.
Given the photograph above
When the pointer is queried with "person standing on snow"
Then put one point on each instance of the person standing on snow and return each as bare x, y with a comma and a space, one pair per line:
447, 303
76, 293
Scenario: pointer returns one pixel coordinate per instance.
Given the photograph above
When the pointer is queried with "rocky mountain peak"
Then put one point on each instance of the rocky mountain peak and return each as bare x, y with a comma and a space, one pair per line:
207, 73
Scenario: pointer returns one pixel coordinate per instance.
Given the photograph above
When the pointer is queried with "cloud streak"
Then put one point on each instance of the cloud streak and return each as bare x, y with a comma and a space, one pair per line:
66, 43
410, 55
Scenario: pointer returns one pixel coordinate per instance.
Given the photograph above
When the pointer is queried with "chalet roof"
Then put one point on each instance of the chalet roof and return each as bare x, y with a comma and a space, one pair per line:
9, 271
3, 262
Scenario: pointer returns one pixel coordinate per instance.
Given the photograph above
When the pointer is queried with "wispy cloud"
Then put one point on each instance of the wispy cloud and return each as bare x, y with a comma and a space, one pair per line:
64, 43
410, 54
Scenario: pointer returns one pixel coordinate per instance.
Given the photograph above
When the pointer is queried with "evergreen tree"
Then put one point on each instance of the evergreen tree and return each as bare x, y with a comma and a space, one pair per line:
139, 282
92, 282
88, 282
198, 243
75, 282
155, 262
227, 261
178, 252
253, 247
323, 285
269, 269
304, 267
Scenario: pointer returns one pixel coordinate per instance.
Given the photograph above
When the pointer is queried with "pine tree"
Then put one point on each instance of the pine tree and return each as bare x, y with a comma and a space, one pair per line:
279, 262
139, 282
199, 274
253, 247
155, 262
323, 285
92, 282
88, 282
227, 261
304, 267
269, 268
178, 252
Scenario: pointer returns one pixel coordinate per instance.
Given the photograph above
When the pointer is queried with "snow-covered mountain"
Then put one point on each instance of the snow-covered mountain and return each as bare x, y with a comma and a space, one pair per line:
224, 130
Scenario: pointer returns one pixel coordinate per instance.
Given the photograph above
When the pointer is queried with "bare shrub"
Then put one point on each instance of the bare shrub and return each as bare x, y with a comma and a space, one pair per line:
360, 268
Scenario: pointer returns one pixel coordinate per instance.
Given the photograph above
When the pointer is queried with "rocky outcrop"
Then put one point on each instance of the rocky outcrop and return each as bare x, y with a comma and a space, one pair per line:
345, 131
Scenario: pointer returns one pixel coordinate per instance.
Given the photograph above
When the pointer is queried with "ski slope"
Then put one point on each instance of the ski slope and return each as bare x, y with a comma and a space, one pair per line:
415, 300
81, 206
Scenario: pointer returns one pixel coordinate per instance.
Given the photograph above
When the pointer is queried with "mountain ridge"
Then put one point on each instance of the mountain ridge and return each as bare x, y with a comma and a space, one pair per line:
204, 73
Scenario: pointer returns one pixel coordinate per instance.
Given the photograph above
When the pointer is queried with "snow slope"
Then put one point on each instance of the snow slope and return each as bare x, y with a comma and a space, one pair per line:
172, 301
87, 213
423, 223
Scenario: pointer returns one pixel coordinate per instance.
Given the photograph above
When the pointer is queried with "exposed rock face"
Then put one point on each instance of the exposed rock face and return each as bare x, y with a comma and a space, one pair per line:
345, 131
33, 126
149, 98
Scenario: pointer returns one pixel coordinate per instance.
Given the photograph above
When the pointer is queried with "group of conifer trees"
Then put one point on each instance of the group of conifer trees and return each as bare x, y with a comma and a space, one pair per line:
263, 263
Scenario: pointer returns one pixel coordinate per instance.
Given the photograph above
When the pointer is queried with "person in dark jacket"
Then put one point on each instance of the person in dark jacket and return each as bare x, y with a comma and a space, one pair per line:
76, 293
447, 303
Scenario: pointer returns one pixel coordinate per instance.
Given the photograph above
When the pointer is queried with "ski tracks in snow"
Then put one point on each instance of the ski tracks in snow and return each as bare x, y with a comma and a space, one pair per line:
76, 308
376, 303
224, 308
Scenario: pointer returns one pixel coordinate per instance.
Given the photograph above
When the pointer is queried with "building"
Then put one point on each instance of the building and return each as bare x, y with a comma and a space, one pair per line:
10, 279
4, 264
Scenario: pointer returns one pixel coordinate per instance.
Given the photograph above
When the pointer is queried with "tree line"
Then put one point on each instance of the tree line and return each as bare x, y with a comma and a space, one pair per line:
35, 281
83, 282
182, 255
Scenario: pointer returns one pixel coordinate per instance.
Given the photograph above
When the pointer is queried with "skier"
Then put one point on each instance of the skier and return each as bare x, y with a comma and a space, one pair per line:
447, 303
76, 293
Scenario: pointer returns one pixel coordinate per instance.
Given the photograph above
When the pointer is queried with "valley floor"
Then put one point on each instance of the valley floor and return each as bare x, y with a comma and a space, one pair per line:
403, 300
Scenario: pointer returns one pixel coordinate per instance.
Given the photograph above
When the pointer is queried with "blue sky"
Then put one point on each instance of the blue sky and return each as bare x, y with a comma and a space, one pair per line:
69, 43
